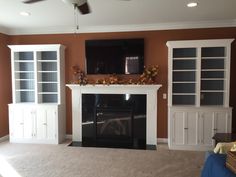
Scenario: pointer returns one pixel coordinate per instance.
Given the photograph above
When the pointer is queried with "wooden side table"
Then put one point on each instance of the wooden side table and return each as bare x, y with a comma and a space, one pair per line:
224, 137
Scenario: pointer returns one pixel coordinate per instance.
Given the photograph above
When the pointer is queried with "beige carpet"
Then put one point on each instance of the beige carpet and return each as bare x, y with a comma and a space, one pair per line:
61, 161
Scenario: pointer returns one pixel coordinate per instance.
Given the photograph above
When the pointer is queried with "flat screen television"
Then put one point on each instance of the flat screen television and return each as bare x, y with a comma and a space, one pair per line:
116, 56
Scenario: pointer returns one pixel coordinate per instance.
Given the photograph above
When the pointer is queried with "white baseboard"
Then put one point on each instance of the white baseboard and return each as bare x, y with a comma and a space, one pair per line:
68, 136
4, 138
162, 140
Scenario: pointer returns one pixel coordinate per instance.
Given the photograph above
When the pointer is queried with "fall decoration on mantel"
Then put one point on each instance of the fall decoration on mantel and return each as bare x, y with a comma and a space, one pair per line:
147, 77
79, 76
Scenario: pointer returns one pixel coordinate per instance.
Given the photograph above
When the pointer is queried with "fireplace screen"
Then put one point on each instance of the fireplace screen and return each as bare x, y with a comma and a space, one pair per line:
114, 120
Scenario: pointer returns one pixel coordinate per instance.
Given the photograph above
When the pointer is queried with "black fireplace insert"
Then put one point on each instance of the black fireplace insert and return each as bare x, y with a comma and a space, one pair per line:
114, 120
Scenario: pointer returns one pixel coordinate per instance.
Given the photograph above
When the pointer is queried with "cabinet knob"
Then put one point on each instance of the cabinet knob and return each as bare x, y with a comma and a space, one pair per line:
215, 129
44, 123
21, 123
185, 128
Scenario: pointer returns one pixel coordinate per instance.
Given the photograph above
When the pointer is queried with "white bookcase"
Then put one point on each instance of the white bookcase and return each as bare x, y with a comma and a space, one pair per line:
198, 92
37, 114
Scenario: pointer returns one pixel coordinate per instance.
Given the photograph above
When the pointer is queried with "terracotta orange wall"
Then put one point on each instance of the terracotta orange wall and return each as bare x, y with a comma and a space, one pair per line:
5, 84
155, 53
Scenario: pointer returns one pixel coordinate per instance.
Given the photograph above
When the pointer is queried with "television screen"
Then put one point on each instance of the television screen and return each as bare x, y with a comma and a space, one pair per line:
116, 56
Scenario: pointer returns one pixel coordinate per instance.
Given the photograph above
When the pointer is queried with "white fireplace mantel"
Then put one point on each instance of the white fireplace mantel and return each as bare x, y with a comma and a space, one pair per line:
149, 90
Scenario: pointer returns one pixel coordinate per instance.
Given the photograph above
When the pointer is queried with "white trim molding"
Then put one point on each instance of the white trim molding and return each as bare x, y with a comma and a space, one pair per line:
4, 138
119, 28
68, 137
162, 140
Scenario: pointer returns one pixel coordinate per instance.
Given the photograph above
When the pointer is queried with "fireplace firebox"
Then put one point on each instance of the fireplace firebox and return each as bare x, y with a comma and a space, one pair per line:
114, 120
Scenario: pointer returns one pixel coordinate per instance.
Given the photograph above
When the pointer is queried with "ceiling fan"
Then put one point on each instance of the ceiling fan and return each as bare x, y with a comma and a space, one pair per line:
81, 5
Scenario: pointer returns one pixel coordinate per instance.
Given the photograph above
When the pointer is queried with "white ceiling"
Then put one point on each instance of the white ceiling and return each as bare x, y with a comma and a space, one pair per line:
54, 16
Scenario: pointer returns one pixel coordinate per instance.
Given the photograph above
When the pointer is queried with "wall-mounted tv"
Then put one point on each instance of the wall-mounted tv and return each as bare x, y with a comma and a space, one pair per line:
114, 56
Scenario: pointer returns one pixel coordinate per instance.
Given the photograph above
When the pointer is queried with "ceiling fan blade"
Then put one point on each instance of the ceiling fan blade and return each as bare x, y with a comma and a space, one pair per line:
84, 8
31, 1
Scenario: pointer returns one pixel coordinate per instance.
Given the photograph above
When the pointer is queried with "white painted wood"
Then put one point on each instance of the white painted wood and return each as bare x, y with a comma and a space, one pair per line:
38, 121
149, 90
200, 122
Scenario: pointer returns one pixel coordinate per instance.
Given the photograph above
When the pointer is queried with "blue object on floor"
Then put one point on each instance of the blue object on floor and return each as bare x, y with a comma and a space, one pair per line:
215, 167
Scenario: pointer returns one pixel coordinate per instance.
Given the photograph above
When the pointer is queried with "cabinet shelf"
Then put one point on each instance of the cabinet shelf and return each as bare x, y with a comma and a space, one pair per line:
213, 70
47, 82
46, 93
25, 90
190, 94
24, 71
47, 61
183, 82
212, 91
191, 58
208, 58
183, 70
47, 71
212, 79
24, 61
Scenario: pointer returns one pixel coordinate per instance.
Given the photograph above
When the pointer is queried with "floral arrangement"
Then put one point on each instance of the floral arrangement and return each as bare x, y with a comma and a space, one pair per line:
113, 79
79, 76
149, 75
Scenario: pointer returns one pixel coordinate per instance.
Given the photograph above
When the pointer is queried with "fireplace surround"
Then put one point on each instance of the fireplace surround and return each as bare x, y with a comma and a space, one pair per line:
150, 91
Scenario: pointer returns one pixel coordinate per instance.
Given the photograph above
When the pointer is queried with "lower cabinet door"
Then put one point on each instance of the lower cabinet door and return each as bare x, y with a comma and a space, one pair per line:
206, 127
46, 123
177, 122
16, 122
221, 122
190, 128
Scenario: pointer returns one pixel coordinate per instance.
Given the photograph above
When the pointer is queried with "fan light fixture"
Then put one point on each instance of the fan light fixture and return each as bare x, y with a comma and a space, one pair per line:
192, 4
26, 14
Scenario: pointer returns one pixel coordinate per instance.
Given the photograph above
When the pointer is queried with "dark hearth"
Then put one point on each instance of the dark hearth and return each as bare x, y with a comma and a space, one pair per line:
114, 120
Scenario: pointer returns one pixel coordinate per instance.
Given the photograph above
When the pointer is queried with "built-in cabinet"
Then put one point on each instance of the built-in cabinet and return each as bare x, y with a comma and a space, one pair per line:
37, 114
198, 92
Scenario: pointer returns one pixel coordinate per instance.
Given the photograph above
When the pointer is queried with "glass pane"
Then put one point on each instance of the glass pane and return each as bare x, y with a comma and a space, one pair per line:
48, 66
48, 87
49, 77
25, 84
213, 52
29, 66
24, 56
184, 76
213, 64
184, 52
212, 85
49, 55
183, 88
24, 75
212, 74
215, 98
183, 100
25, 96
49, 98
184, 64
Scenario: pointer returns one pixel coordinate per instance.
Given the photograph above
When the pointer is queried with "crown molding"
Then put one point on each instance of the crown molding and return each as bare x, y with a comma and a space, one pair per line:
119, 28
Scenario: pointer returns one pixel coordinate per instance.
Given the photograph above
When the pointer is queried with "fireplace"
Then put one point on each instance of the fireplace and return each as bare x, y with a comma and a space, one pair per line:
114, 120
150, 91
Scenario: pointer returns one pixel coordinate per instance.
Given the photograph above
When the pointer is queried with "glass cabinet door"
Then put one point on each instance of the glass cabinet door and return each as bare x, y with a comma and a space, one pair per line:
184, 76
24, 77
212, 75
47, 76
